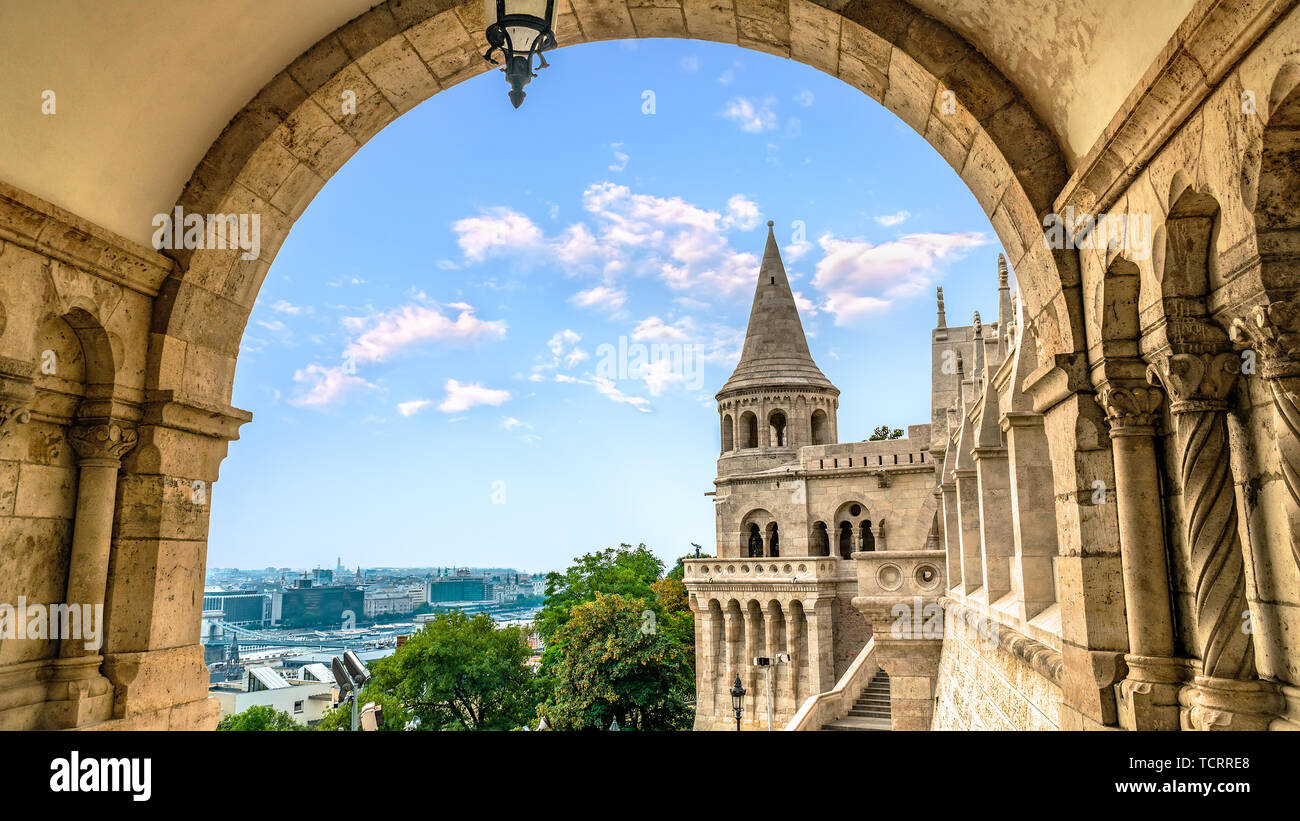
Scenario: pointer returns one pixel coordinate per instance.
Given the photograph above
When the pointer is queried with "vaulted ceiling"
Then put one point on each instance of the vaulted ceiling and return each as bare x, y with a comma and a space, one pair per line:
143, 88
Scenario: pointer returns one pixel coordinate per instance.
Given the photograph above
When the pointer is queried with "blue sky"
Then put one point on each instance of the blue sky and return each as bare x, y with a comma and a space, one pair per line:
429, 361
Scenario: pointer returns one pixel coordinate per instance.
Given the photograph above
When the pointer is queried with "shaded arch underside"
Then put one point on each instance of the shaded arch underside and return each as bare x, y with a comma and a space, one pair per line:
281, 149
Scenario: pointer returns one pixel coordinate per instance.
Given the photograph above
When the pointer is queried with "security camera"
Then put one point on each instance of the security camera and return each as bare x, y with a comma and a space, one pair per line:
762, 661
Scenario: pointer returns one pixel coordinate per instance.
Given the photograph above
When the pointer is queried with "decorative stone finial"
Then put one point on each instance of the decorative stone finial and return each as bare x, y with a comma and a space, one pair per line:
979, 326
1002, 271
943, 320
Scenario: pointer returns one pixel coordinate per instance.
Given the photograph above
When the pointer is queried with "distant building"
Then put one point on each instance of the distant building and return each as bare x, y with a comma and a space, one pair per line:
305, 700
387, 602
447, 589
242, 607
309, 605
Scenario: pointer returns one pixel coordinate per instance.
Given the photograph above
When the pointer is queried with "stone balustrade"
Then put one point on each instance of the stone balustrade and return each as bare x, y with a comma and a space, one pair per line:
890, 576
782, 569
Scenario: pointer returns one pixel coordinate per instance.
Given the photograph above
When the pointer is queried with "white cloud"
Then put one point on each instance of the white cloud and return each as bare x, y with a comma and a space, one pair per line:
890, 220
511, 423
691, 64
804, 98
273, 325
462, 397
282, 306
620, 157
413, 407
859, 278
607, 388
495, 232
742, 213
753, 118
380, 335
726, 77
601, 297
654, 329
325, 385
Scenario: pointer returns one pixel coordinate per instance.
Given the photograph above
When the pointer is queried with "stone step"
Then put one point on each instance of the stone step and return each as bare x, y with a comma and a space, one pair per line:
870, 714
858, 723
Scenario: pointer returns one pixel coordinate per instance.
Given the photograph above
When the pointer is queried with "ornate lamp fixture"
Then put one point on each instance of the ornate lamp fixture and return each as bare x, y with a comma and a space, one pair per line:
738, 700
520, 30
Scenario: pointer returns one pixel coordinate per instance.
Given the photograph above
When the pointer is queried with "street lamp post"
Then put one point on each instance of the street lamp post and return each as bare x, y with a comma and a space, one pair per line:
737, 700
768, 665
520, 30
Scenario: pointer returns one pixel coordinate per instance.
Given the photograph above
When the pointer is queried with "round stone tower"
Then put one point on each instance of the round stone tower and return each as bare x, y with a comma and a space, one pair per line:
777, 400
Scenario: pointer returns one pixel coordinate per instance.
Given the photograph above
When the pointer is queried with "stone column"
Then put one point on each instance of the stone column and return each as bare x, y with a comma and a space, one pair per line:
1089, 572
821, 662
968, 516
734, 624
78, 693
706, 678
1033, 513
1149, 692
997, 542
755, 696
951, 531
1273, 331
154, 600
1226, 695
792, 646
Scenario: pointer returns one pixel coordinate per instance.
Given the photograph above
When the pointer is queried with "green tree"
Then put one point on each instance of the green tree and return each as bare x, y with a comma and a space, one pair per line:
885, 432
259, 719
679, 568
610, 668
623, 571
458, 673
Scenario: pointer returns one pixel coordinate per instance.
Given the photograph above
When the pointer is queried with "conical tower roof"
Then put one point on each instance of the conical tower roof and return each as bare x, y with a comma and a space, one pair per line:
776, 351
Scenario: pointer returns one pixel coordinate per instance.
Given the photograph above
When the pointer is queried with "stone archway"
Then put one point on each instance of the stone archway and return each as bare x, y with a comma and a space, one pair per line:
278, 152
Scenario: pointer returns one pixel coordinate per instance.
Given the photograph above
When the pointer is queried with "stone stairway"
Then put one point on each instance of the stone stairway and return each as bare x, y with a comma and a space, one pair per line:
870, 711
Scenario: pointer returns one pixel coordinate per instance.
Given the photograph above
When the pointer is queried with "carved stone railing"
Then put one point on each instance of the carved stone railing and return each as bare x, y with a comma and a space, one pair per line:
781, 569
887, 577
822, 708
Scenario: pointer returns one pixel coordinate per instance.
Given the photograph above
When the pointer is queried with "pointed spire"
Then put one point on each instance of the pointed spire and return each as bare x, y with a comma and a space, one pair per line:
1002, 271
776, 350
943, 320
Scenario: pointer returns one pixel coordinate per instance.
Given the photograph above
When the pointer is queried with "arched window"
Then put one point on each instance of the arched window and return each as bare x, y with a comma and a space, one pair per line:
821, 542
755, 542
776, 429
728, 434
846, 540
867, 538
748, 430
773, 540
821, 429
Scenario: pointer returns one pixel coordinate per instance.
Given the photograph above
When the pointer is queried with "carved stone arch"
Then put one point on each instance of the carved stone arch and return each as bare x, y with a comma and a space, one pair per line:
291, 137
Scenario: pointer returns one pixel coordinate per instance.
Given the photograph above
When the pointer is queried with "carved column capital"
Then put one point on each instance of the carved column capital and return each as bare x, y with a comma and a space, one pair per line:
1131, 410
108, 441
1196, 382
1273, 332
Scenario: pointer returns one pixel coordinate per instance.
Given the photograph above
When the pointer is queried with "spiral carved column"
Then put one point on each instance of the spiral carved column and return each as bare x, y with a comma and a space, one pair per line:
1227, 694
1273, 332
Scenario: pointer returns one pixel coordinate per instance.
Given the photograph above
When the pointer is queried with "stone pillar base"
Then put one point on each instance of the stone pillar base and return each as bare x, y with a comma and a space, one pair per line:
202, 714
1215, 704
913, 668
152, 681
77, 694
1148, 695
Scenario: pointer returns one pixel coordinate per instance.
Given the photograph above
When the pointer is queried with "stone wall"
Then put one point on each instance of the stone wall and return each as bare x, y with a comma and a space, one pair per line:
983, 686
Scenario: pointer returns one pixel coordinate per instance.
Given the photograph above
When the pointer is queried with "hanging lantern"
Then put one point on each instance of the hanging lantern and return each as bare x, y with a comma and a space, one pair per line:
520, 30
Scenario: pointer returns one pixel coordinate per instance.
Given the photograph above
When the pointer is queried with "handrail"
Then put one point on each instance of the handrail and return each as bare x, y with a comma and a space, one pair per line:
835, 703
